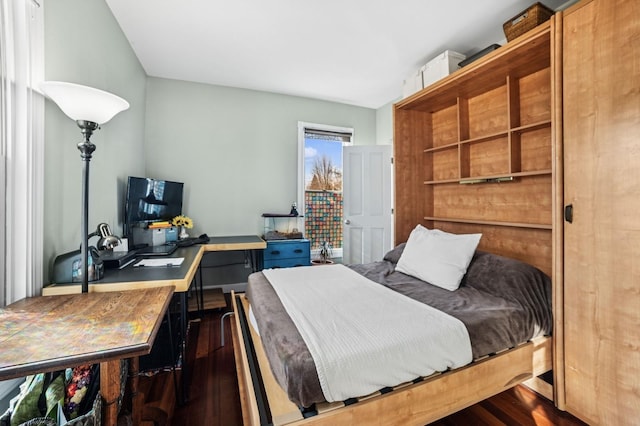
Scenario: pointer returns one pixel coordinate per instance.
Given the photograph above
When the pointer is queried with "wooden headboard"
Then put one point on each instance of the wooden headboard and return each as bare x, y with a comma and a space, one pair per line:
473, 153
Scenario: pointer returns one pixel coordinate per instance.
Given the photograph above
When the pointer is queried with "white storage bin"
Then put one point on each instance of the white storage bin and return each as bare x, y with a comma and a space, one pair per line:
412, 84
440, 66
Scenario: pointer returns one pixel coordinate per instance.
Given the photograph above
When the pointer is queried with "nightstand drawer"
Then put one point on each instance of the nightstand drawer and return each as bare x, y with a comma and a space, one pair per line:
286, 263
286, 249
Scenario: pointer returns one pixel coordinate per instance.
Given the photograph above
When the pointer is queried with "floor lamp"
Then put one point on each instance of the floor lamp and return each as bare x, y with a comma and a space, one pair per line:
89, 108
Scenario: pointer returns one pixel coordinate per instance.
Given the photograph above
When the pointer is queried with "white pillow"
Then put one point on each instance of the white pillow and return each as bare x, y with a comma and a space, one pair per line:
438, 257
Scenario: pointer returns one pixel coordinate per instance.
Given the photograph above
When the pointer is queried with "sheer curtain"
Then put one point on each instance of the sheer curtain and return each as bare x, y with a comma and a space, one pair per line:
21, 155
21, 148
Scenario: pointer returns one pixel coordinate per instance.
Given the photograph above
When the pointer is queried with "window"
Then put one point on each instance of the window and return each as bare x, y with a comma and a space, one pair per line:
320, 183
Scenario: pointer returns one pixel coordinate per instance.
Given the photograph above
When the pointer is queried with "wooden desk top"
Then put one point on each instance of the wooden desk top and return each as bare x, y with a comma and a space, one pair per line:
239, 242
130, 278
41, 334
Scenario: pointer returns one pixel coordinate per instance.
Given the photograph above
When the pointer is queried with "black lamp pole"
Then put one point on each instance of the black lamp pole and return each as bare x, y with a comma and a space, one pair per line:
89, 108
86, 148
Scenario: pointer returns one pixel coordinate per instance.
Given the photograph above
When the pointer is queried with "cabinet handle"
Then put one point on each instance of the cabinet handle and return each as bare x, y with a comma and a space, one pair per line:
275, 251
568, 213
297, 251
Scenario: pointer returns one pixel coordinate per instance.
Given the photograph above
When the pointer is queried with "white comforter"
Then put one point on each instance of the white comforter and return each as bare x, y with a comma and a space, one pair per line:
363, 336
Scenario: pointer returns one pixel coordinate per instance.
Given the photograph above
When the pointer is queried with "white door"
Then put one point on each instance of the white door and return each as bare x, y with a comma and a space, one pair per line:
367, 183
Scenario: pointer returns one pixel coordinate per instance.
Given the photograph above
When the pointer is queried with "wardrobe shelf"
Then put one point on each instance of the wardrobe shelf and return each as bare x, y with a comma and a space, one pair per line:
491, 222
504, 175
442, 148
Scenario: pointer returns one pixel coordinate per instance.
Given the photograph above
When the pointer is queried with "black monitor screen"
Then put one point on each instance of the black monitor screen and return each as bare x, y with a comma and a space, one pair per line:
152, 200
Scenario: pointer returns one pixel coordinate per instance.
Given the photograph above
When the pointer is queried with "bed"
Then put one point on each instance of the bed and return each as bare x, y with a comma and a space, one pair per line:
504, 304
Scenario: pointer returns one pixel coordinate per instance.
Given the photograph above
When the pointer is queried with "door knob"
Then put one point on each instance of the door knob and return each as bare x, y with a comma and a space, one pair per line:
347, 222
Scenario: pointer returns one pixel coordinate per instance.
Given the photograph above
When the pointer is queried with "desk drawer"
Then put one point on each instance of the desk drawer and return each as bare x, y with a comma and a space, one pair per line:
287, 249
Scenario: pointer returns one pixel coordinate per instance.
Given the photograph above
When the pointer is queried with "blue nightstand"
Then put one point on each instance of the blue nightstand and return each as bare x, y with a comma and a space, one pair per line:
287, 253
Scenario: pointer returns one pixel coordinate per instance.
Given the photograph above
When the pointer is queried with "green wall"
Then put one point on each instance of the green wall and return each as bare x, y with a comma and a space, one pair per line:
384, 124
236, 150
84, 44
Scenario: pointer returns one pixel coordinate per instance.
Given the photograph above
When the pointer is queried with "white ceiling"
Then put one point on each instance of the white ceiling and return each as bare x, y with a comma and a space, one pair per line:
356, 52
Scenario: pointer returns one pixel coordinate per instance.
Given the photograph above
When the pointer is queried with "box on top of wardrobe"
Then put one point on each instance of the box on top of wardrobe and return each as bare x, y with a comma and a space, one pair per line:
441, 66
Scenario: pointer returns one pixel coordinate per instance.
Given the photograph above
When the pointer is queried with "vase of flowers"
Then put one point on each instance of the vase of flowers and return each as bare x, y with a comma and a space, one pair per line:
183, 223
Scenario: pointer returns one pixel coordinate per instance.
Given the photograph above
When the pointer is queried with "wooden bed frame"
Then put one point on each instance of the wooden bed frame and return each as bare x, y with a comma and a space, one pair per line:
413, 403
494, 120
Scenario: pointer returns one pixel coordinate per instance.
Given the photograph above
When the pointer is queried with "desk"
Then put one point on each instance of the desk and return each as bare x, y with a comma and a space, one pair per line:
130, 278
42, 334
180, 277
242, 242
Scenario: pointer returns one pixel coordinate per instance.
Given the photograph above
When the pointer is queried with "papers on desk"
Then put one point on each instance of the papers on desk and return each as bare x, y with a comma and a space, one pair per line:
169, 261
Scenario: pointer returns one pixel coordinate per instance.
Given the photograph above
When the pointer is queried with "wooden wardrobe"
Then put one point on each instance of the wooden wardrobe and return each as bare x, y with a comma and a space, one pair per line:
537, 146
601, 136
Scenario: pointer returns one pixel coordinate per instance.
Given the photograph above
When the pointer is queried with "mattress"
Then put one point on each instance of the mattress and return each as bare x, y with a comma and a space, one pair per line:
352, 341
502, 302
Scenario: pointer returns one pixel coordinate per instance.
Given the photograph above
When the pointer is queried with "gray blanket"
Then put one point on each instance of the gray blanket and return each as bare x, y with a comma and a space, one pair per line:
502, 302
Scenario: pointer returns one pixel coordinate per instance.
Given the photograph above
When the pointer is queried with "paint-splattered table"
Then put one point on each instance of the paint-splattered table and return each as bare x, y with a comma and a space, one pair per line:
42, 334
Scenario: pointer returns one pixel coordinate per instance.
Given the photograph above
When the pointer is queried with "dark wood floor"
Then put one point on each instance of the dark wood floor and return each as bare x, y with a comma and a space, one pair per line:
214, 400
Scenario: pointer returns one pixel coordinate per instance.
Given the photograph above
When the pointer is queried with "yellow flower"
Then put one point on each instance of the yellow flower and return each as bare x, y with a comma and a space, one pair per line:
182, 221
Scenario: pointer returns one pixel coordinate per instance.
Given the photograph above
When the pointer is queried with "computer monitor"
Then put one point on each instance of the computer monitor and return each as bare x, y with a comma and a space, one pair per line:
151, 200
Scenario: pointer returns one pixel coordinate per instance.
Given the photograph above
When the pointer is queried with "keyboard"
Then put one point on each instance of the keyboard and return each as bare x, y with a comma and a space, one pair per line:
186, 242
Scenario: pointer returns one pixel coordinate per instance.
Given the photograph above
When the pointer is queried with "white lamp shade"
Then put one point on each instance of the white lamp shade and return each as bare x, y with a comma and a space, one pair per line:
84, 103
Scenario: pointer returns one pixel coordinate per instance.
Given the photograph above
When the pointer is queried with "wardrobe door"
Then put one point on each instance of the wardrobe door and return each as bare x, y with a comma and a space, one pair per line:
601, 107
